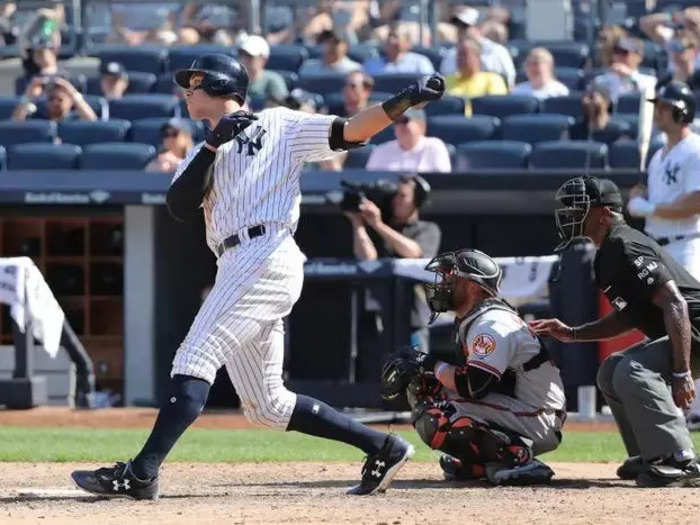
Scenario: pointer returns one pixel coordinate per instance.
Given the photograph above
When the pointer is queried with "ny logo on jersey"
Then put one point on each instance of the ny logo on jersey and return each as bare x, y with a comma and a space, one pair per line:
253, 142
671, 173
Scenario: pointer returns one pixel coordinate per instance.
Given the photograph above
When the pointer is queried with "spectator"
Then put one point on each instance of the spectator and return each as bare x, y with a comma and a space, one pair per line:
356, 92
177, 142
470, 81
684, 55
494, 57
301, 100
8, 28
397, 57
495, 32
596, 123
412, 150
353, 16
623, 75
661, 27
63, 102
608, 36
539, 68
265, 85
335, 56
404, 235
39, 44
114, 80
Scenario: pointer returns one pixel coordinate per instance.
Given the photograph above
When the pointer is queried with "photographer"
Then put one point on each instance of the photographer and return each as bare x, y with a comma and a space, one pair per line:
63, 101
404, 235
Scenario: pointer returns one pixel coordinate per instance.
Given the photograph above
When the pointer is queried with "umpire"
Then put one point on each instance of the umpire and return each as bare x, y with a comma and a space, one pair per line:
649, 291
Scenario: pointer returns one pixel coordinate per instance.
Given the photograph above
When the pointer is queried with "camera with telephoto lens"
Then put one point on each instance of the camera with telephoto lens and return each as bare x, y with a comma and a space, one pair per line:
380, 193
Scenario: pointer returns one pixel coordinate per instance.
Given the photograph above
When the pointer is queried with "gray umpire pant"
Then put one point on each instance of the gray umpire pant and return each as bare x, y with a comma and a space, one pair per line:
636, 385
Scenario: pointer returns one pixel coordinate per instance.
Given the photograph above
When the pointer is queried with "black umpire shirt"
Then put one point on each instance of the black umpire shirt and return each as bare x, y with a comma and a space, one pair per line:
629, 267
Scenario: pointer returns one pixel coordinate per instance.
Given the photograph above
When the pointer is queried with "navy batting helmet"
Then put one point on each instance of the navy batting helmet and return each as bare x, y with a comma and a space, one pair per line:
680, 97
224, 76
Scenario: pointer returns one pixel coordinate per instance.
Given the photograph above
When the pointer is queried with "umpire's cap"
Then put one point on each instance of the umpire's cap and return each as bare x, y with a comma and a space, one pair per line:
679, 96
224, 76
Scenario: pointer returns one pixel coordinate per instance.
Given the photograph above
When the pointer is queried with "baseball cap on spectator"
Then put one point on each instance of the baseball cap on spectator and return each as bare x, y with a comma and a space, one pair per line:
412, 114
466, 16
113, 68
177, 124
255, 46
630, 45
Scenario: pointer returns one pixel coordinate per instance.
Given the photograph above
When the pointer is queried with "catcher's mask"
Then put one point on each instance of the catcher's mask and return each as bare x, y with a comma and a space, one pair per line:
578, 195
466, 264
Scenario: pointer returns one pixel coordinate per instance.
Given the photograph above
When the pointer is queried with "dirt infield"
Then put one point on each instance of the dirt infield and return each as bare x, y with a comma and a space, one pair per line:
315, 493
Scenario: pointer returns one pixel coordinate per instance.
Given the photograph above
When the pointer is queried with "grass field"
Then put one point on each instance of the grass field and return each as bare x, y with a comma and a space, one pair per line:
204, 445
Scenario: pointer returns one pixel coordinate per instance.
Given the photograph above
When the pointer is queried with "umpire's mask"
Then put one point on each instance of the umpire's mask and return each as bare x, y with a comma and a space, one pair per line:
467, 264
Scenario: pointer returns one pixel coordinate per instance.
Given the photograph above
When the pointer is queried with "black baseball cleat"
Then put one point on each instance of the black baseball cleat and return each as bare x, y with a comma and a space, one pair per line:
380, 468
534, 472
670, 474
118, 480
631, 468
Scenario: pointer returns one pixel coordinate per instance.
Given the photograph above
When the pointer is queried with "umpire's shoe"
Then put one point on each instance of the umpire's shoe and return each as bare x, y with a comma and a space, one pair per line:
118, 480
671, 474
631, 468
380, 468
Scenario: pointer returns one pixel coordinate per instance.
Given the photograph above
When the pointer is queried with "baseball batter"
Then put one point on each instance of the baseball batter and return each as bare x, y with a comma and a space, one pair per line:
245, 177
502, 402
671, 202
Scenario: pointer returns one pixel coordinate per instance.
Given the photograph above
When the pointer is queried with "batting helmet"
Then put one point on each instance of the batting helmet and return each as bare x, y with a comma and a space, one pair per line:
224, 76
680, 97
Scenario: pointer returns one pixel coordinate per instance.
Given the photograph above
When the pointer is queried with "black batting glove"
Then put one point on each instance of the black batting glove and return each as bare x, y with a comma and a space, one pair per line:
420, 91
228, 127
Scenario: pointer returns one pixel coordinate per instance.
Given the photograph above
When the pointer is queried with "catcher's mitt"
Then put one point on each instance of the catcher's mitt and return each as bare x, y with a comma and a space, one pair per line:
407, 369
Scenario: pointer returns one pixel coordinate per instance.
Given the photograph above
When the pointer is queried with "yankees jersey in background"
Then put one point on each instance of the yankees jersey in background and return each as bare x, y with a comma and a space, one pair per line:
498, 340
255, 178
671, 174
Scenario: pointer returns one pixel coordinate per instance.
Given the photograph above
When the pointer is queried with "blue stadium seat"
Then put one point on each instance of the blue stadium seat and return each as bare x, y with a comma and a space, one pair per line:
181, 57
624, 154
435, 55
385, 135
132, 107
43, 156
117, 156
314, 50
287, 56
615, 129
566, 54
630, 120
569, 154
139, 82
363, 51
503, 105
537, 127
571, 77
357, 158
290, 78
628, 104
393, 82
323, 84
147, 131
565, 105
493, 154
3, 159
7, 106
82, 132
12, 132
150, 59
456, 129
447, 105
165, 84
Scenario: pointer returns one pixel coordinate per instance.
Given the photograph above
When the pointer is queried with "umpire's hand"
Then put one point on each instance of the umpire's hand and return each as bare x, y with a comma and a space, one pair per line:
228, 127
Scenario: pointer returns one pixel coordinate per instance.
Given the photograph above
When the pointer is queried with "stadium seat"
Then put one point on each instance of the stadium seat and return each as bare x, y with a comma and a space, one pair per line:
628, 104
566, 54
565, 105
492, 154
181, 57
456, 129
503, 105
393, 82
630, 120
314, 50
385, 135
117, 156
569, 154
537, 127
571, 77
165, 84
3, 159
12, 132
82, 132
624, 154
43, 156
435, 55
290, 78
363, 51
288, 57
7, 106
447, 105
139, 82
357, 158
132, 107
615, 129
323, 84
150, 59
147, 131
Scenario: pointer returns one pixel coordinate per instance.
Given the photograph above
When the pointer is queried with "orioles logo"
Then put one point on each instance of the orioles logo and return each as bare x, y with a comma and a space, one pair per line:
483, 344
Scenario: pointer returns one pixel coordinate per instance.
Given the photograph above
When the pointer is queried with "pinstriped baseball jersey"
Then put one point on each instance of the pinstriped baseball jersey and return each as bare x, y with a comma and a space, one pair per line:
498, 340
256, 175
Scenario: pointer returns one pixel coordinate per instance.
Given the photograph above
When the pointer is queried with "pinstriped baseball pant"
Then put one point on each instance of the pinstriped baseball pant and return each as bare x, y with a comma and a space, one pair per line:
240, 325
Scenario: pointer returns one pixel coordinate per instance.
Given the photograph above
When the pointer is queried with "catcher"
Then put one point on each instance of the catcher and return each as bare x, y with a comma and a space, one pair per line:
502, 402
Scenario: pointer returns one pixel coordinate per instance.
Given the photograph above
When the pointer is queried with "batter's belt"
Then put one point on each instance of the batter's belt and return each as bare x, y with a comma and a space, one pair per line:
235, 239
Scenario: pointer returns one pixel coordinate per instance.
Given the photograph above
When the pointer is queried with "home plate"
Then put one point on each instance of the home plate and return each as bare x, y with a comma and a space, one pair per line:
47, 492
